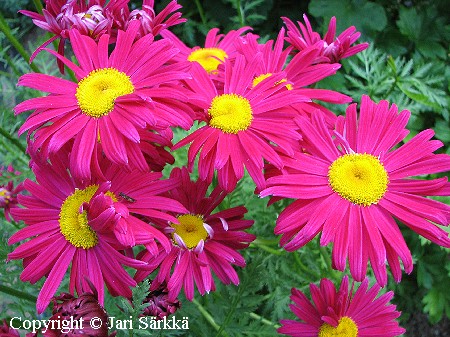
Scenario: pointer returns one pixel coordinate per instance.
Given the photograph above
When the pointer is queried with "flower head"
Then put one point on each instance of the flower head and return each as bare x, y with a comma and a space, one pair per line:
216, 49
244, 124
92, 18
333, 49
152, 23
365, 183
202, 242
342, 313
88, 224
68, 311
116, 97
160, 305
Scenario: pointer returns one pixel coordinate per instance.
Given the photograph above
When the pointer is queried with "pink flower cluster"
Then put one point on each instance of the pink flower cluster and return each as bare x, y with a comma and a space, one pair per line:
98, 144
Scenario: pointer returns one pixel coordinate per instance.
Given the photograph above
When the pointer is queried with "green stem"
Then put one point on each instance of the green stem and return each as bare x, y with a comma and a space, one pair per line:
267, 242
12, 139
38, 5
207, 316
267, 249
264, 320
17, 293
15, 43
201, 12
240, 13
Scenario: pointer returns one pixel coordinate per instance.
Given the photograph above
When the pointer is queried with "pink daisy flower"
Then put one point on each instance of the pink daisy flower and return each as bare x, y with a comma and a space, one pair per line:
333, 49
152, 23
202, 242
116, 97
88, 224
342, 313
242, 123
93, 19
364, 183
217, 48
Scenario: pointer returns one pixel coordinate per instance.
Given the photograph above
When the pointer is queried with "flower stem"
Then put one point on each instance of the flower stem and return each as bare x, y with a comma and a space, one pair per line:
208, 316
15, 43
17, 293
38, 5
264, 320
201, 12
266, 248
240, 13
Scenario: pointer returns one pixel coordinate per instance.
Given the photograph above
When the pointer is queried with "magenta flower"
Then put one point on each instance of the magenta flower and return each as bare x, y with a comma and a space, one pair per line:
243, 123
217, 48
160, 305
202, 242
333, 49
93, 19
152, 23
88, 224
116, 97
364, 183
74, 310
342, 313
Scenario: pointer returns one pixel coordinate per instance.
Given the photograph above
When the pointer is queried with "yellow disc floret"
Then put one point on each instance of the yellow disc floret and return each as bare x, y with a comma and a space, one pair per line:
262, 77
190, 229
209, 58
359, 178
96, 93
73, 224
346, 328
231, 113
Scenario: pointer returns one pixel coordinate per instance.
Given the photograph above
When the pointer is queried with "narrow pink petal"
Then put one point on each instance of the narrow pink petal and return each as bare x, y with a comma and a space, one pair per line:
54, 278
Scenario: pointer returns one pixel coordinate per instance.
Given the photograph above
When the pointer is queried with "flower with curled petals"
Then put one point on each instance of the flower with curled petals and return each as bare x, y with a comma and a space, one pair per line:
365, 184
202, 242
333, 49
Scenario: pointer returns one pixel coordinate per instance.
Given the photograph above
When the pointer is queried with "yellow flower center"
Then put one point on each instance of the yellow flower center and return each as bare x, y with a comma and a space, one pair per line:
73, 224
262, 77
209, 58
190, 229
359, 178
346, 328
96, 93
231, 113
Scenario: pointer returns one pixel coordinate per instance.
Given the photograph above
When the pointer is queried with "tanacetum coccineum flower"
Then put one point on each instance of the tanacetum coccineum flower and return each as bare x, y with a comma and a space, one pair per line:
217, 48
243, 123
333, 48
93, 18
152, 23
88, 224
115, 97
342, 313
354, 184
202, 242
